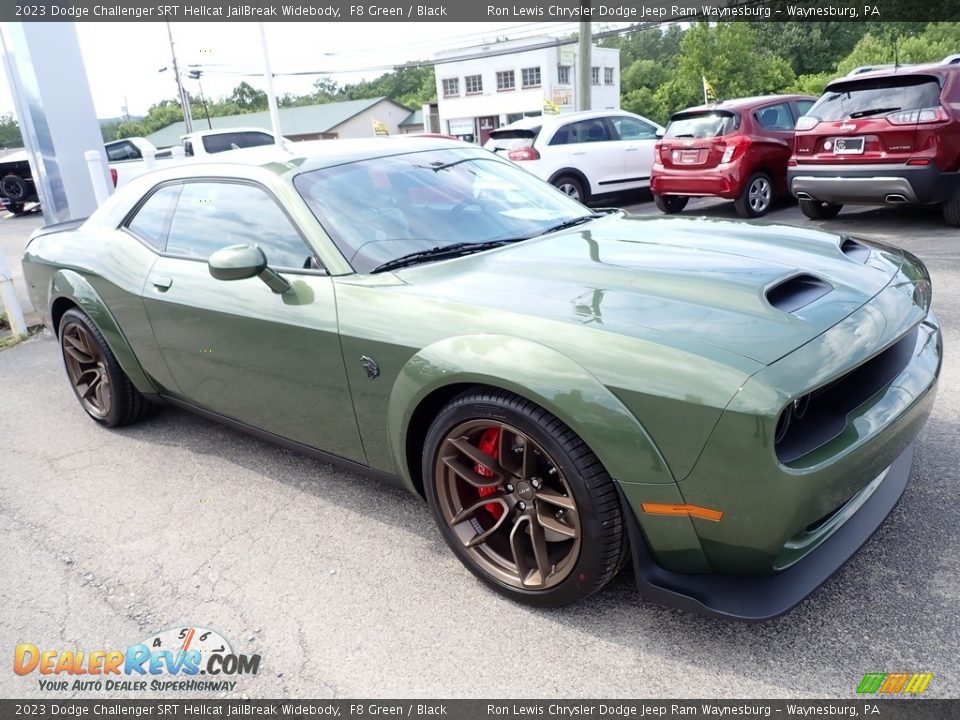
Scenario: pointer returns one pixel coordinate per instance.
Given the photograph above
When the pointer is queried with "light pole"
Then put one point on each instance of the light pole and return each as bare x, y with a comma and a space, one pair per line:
195, 74
184, 98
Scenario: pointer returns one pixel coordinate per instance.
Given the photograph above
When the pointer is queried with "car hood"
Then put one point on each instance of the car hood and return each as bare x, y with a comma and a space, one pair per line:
732, 285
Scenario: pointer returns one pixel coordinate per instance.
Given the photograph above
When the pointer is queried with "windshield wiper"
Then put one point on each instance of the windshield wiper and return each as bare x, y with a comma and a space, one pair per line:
573, 223
871, 111
441, 251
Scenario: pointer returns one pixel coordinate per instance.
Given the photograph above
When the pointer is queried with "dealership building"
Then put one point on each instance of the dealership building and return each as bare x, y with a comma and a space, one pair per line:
481, 88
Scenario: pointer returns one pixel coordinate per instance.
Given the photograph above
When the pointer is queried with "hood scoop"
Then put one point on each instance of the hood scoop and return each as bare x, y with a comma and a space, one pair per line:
858, 252
797, 292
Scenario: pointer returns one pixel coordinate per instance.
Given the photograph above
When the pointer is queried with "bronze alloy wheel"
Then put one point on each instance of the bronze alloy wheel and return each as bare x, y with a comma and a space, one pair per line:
86, 369
509, 505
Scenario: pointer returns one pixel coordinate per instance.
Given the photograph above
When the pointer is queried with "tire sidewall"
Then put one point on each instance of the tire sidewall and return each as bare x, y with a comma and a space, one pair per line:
111, 367
577, 183
748, 209
589, 564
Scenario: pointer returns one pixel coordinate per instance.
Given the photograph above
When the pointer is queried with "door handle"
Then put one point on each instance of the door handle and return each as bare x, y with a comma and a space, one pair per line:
161, 282
578, 152
631, 149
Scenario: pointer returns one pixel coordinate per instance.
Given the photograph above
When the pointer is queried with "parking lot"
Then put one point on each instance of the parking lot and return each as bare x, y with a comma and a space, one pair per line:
345, 589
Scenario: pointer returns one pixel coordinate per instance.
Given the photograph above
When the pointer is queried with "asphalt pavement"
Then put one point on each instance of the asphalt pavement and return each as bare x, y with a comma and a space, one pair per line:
346, 589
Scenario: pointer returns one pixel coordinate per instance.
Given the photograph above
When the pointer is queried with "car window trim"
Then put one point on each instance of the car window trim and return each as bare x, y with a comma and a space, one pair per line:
168, 221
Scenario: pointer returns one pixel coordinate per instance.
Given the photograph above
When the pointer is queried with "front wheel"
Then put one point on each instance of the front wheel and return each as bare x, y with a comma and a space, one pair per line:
755, 198
573, 187
816, 210
521, 500
670, 204
951, 209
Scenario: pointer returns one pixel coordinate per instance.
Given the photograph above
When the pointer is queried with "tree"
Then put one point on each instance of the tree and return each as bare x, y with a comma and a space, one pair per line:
247, 98
10, 132
811, 47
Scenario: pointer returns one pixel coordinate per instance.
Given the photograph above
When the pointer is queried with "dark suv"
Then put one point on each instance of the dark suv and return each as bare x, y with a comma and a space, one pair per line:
890, 137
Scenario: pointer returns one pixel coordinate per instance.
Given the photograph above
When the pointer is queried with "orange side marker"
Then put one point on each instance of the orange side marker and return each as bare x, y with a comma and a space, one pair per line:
687, 510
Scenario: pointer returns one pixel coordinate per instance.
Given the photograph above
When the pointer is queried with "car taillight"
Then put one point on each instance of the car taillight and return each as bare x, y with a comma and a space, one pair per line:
921, 115
524, 153
113, 176
736, 147
807, 122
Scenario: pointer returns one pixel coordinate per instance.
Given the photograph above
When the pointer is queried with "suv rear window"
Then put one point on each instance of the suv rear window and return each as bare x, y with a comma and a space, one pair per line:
511, 139
876, 96
704, 124
234, 141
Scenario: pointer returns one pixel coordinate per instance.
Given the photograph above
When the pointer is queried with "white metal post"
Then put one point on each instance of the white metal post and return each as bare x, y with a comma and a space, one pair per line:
271, 94
95, 165
8, 299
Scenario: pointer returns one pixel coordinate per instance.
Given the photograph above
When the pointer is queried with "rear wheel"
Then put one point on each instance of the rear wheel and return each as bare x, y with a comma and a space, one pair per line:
951, 209
816, 210
670, 204
755, 198
103, 389
521, 500
572, 186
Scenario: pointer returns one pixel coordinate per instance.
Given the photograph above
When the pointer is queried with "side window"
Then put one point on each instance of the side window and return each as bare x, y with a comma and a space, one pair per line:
213, 215
629, 128
775, 117
803, 106
122, 151
582, 131
151, 221
234, 141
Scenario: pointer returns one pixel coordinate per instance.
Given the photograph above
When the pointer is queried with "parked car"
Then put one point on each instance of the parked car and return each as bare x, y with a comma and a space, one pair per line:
17, 188
211, 142
889, 136
735, 149
584, 154
733, 404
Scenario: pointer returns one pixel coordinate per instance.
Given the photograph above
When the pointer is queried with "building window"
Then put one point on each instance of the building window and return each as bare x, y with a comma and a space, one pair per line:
563, 74
473, 84
595, 71
530, 77
506, 80
451, 87
608, 76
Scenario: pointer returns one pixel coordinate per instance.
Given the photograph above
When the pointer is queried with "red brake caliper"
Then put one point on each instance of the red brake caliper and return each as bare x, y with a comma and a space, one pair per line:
490, 444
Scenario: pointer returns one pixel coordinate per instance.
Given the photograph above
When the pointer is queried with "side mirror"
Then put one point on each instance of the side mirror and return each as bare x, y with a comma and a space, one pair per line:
661, 133
239, 262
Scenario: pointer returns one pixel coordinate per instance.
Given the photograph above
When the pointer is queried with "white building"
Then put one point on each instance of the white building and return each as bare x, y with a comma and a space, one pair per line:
481, 88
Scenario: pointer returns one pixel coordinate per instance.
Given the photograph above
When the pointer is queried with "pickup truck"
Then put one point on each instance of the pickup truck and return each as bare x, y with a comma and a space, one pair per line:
17, 189
126, 157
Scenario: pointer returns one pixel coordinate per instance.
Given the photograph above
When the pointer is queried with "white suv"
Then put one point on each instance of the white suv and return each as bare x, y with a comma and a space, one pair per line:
585, 154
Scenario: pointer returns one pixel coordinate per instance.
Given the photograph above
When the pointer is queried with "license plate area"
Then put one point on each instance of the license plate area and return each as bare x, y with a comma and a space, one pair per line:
689, 157
848, 146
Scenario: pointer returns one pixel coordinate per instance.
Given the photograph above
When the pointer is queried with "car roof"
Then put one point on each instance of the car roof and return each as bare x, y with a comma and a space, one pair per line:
745, 103
939, 69
549, 121
225, 131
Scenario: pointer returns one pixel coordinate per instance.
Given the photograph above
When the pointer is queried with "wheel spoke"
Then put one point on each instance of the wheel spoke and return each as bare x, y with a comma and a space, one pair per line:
519, 552
91, 386
469, 474
77, 350
550, 522
554, 498
467, 513
477, 455
540, 555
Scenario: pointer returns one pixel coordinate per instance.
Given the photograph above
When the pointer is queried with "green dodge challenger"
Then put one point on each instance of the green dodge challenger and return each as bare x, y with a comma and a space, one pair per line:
730, 407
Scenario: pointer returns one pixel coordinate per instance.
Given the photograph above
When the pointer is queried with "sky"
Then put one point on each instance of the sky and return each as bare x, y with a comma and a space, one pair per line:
123, 60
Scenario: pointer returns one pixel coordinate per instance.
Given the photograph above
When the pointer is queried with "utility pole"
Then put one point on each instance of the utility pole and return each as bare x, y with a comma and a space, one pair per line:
271, 94
184, 98
585, 70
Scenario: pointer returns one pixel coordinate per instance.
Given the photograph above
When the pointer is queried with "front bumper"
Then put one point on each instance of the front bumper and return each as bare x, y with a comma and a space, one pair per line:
872, 184
759, 598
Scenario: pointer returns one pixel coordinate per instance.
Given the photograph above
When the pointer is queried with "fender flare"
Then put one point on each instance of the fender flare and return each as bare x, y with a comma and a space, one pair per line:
72, 286
539, 374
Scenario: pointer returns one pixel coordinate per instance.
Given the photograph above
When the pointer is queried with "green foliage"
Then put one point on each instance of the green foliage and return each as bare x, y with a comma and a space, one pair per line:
10, 132
811, 47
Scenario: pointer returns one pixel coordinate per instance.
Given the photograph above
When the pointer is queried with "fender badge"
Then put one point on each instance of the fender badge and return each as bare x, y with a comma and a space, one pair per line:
370, 365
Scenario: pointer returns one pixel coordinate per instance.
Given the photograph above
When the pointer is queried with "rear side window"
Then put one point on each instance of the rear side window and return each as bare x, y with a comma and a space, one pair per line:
234, 141
510, 139
803, 106
582, 131
150, 224
775, 117
876, 96
213, 215
629, 128
122, 151
706, 124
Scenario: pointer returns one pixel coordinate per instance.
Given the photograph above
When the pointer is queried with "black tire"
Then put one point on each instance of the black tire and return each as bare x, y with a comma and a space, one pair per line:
15, 208
756, 197
572, 186
602, 544
951, 209
14, 187
126, 405
816, 210
670, 204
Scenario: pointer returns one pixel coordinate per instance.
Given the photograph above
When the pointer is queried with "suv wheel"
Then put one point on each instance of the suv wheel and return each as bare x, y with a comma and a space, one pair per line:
756, 196
951, 209
670, 204
816, 210
572, 186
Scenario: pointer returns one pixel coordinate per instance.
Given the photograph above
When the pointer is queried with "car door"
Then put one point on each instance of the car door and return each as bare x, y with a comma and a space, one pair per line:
636, 141
773, 144
271, 361
591, 149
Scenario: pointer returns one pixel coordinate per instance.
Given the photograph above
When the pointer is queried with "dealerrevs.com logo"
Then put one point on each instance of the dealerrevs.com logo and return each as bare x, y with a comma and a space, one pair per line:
189, 659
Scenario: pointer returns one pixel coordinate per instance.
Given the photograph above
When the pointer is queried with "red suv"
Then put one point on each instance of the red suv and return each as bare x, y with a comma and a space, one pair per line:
885, 137
735, 149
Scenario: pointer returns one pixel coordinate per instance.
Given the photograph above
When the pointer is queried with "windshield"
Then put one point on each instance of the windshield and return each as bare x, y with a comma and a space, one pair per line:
380, 209
878, 95
702, 125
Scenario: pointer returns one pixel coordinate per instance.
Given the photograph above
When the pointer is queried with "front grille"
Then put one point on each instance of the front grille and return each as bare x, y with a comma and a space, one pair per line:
815, 419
